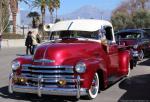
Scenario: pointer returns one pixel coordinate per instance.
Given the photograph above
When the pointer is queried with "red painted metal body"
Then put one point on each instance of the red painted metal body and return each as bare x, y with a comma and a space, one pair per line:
108, 60
128, 42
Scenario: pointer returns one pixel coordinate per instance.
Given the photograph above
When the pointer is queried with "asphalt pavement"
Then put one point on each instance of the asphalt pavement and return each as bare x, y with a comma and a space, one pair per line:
136, 88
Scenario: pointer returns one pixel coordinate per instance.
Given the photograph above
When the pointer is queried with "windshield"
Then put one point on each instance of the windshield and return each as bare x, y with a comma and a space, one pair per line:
73, 34
128, 35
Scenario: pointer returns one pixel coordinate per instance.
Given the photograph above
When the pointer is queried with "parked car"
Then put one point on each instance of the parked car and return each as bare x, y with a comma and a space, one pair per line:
81, 58
147, 30
137, 40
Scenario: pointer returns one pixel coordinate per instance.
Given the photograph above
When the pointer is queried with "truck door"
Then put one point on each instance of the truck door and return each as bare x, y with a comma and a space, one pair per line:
112, 51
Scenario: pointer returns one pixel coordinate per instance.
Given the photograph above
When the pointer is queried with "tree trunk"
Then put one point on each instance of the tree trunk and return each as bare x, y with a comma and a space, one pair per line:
43, 18
51, 16
1, 17
14, 8
14, 15
56, 13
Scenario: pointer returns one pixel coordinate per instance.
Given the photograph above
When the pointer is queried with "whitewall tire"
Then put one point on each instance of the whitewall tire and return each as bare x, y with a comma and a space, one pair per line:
94, 89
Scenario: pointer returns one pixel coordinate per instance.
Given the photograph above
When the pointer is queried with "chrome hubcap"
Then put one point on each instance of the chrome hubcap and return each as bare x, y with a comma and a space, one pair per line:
94, 87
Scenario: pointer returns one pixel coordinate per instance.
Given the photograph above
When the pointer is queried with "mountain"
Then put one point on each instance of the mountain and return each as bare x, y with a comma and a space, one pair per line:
88, 11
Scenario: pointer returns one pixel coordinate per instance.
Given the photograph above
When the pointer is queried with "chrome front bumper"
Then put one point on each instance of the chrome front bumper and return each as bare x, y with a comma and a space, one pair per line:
39, 90
48, 91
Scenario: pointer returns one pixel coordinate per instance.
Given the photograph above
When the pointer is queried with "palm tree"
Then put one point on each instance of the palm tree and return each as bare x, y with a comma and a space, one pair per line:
50, 5
56, 6
35, 17
14, 9
4, 15
42, 5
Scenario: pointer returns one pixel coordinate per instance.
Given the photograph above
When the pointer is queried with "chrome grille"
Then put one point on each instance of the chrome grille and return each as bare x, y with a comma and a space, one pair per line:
50, 74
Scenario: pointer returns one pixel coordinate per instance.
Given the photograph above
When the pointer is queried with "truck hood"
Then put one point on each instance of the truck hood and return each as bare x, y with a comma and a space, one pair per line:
62, 52
128, 42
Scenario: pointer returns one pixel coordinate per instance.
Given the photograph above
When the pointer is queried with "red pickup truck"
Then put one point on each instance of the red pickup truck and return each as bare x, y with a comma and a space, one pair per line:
80, 59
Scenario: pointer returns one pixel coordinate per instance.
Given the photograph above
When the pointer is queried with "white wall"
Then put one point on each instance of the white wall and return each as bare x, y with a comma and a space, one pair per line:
13, 43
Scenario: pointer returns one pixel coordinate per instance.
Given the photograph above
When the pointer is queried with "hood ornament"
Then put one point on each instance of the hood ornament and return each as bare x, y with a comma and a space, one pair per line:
44, 61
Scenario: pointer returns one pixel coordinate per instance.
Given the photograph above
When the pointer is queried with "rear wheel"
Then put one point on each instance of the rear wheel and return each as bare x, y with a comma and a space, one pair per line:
94, 89
129, 69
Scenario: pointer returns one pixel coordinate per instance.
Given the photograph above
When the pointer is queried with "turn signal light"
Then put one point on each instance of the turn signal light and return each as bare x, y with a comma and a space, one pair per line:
62, 83
19, 80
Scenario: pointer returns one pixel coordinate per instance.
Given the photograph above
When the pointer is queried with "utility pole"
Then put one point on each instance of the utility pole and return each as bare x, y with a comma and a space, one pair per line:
1, 16
101, 15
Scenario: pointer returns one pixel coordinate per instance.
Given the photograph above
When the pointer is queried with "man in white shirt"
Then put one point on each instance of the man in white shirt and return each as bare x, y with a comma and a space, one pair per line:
34, 40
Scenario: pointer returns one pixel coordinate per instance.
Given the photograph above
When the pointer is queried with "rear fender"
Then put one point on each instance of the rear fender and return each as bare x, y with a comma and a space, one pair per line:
124, 59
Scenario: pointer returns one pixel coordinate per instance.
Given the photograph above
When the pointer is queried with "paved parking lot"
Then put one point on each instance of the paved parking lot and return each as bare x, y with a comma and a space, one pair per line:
136, 88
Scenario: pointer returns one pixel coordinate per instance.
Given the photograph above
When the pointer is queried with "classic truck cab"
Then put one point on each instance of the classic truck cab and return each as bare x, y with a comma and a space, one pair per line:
80, 59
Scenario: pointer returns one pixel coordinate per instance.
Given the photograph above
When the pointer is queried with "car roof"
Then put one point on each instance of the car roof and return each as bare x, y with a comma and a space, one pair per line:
130, 30
80, 25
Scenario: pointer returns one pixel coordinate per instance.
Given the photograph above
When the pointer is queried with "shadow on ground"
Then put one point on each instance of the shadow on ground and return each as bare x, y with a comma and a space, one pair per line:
145, 63
33, 98
137, 89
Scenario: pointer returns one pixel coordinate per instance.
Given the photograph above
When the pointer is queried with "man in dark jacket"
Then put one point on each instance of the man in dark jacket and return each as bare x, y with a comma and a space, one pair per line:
28, 43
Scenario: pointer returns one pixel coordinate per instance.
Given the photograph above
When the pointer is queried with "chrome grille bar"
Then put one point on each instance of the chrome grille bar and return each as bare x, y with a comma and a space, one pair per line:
34, 66
47, 71
50, 75
47, 76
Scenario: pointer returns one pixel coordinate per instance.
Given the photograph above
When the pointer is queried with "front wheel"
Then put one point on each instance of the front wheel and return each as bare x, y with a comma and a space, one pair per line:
94, 89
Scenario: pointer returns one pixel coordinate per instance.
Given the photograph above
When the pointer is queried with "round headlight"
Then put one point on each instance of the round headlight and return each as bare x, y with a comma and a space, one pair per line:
135, 46
15, 65
80, 67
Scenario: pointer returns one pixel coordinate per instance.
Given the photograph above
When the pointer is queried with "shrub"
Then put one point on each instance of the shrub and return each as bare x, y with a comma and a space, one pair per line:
12, 36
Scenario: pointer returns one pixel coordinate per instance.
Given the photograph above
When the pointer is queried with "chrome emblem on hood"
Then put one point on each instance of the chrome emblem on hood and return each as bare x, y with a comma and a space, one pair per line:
44, 61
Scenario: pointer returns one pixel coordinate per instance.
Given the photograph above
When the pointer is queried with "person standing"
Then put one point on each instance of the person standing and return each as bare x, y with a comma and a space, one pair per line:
28, 43
34, 41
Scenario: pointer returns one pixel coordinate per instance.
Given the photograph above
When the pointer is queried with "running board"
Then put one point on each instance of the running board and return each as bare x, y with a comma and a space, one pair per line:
114, 79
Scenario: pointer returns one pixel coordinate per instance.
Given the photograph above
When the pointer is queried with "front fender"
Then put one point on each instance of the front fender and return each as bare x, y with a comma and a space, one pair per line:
23, 60
93, 66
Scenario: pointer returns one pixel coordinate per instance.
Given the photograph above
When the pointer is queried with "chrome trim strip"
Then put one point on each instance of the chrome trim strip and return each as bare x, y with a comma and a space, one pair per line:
53, 81
45, 55
78, 87
56, 86
26, 65
48, 71
47, 76
50, 79
40, 80
44, 61
36, 66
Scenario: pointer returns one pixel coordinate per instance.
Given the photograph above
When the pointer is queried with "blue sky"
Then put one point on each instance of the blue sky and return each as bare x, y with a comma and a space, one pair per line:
68, 6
